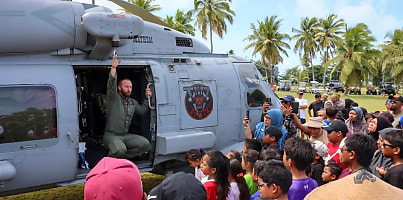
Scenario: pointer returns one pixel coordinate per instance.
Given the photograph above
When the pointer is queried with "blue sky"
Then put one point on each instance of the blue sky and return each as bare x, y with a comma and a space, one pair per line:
381, 16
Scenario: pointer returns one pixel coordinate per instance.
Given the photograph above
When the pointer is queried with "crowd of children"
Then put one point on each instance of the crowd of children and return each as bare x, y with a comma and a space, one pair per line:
343, 147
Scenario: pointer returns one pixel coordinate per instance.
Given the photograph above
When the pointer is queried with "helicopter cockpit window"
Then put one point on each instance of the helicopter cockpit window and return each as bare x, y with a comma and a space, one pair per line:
27, 113
258, 90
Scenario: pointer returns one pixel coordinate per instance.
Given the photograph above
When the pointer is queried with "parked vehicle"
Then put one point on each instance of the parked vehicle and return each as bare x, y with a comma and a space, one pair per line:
315, 88
335, 86
354, 90
387, 88
285, 85
371, 90
302, 86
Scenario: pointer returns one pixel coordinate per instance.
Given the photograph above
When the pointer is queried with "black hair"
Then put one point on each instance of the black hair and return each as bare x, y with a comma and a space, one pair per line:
259, 165
194, 154
335, 169
235, 155
275, 172
269, 154
331, 111
343, 112
253, 143
219, 161
340, 116
237, 173
275, 132
368, 116
395, 138
363, 146
300, 151
123, 79
347, 103
354, 104
251, 156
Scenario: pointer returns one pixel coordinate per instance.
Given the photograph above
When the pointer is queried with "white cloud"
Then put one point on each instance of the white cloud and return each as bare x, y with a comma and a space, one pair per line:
370, 13
311, 8
353, 14
172, 5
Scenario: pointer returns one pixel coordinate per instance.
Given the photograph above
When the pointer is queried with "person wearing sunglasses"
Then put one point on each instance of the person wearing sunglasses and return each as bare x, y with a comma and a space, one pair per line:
396, 109
357, 153
392, 147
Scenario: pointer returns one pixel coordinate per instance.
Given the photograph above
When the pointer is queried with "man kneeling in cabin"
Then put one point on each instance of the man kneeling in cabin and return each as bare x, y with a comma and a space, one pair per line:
120, 109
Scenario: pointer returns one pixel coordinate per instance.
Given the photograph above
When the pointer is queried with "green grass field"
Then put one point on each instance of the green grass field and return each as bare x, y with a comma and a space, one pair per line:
75, 192
371, 102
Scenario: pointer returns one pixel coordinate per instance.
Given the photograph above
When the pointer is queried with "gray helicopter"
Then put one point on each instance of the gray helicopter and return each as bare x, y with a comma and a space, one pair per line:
55, 57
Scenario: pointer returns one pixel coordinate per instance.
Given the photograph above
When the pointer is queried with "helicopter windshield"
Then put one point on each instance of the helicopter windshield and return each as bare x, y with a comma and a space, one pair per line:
258, 90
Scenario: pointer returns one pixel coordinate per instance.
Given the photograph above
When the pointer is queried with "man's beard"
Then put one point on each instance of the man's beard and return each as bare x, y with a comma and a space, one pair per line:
125, 94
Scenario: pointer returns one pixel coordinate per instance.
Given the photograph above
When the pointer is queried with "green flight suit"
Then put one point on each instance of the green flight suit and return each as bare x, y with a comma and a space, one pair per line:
119, 114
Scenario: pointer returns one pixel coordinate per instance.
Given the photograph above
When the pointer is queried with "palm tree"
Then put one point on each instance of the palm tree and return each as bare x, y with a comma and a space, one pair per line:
392, 52
268, 41
306, 42
327, 35
212, 15
354, 56
181, 22
146, 4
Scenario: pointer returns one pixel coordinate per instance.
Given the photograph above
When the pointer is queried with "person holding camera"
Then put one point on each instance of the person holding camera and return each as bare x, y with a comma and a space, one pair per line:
289, 106
266, 107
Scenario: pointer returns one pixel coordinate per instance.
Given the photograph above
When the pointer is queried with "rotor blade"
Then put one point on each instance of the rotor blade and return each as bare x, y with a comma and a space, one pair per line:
139, 11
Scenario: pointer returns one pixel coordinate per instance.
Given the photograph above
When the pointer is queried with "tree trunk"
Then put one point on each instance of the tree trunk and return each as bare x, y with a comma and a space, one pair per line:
211, 39
267, 79
324, 68
313, 73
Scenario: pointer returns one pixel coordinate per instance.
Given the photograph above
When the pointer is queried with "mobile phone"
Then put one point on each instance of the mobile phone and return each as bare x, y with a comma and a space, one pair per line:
268, 100
247, 114
295, 107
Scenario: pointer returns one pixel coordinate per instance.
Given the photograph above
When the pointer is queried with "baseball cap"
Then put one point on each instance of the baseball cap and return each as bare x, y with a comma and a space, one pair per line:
300, 92
114, 178
321, 149
397, 97
336, 125
179, 186
288, 97
317, 96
